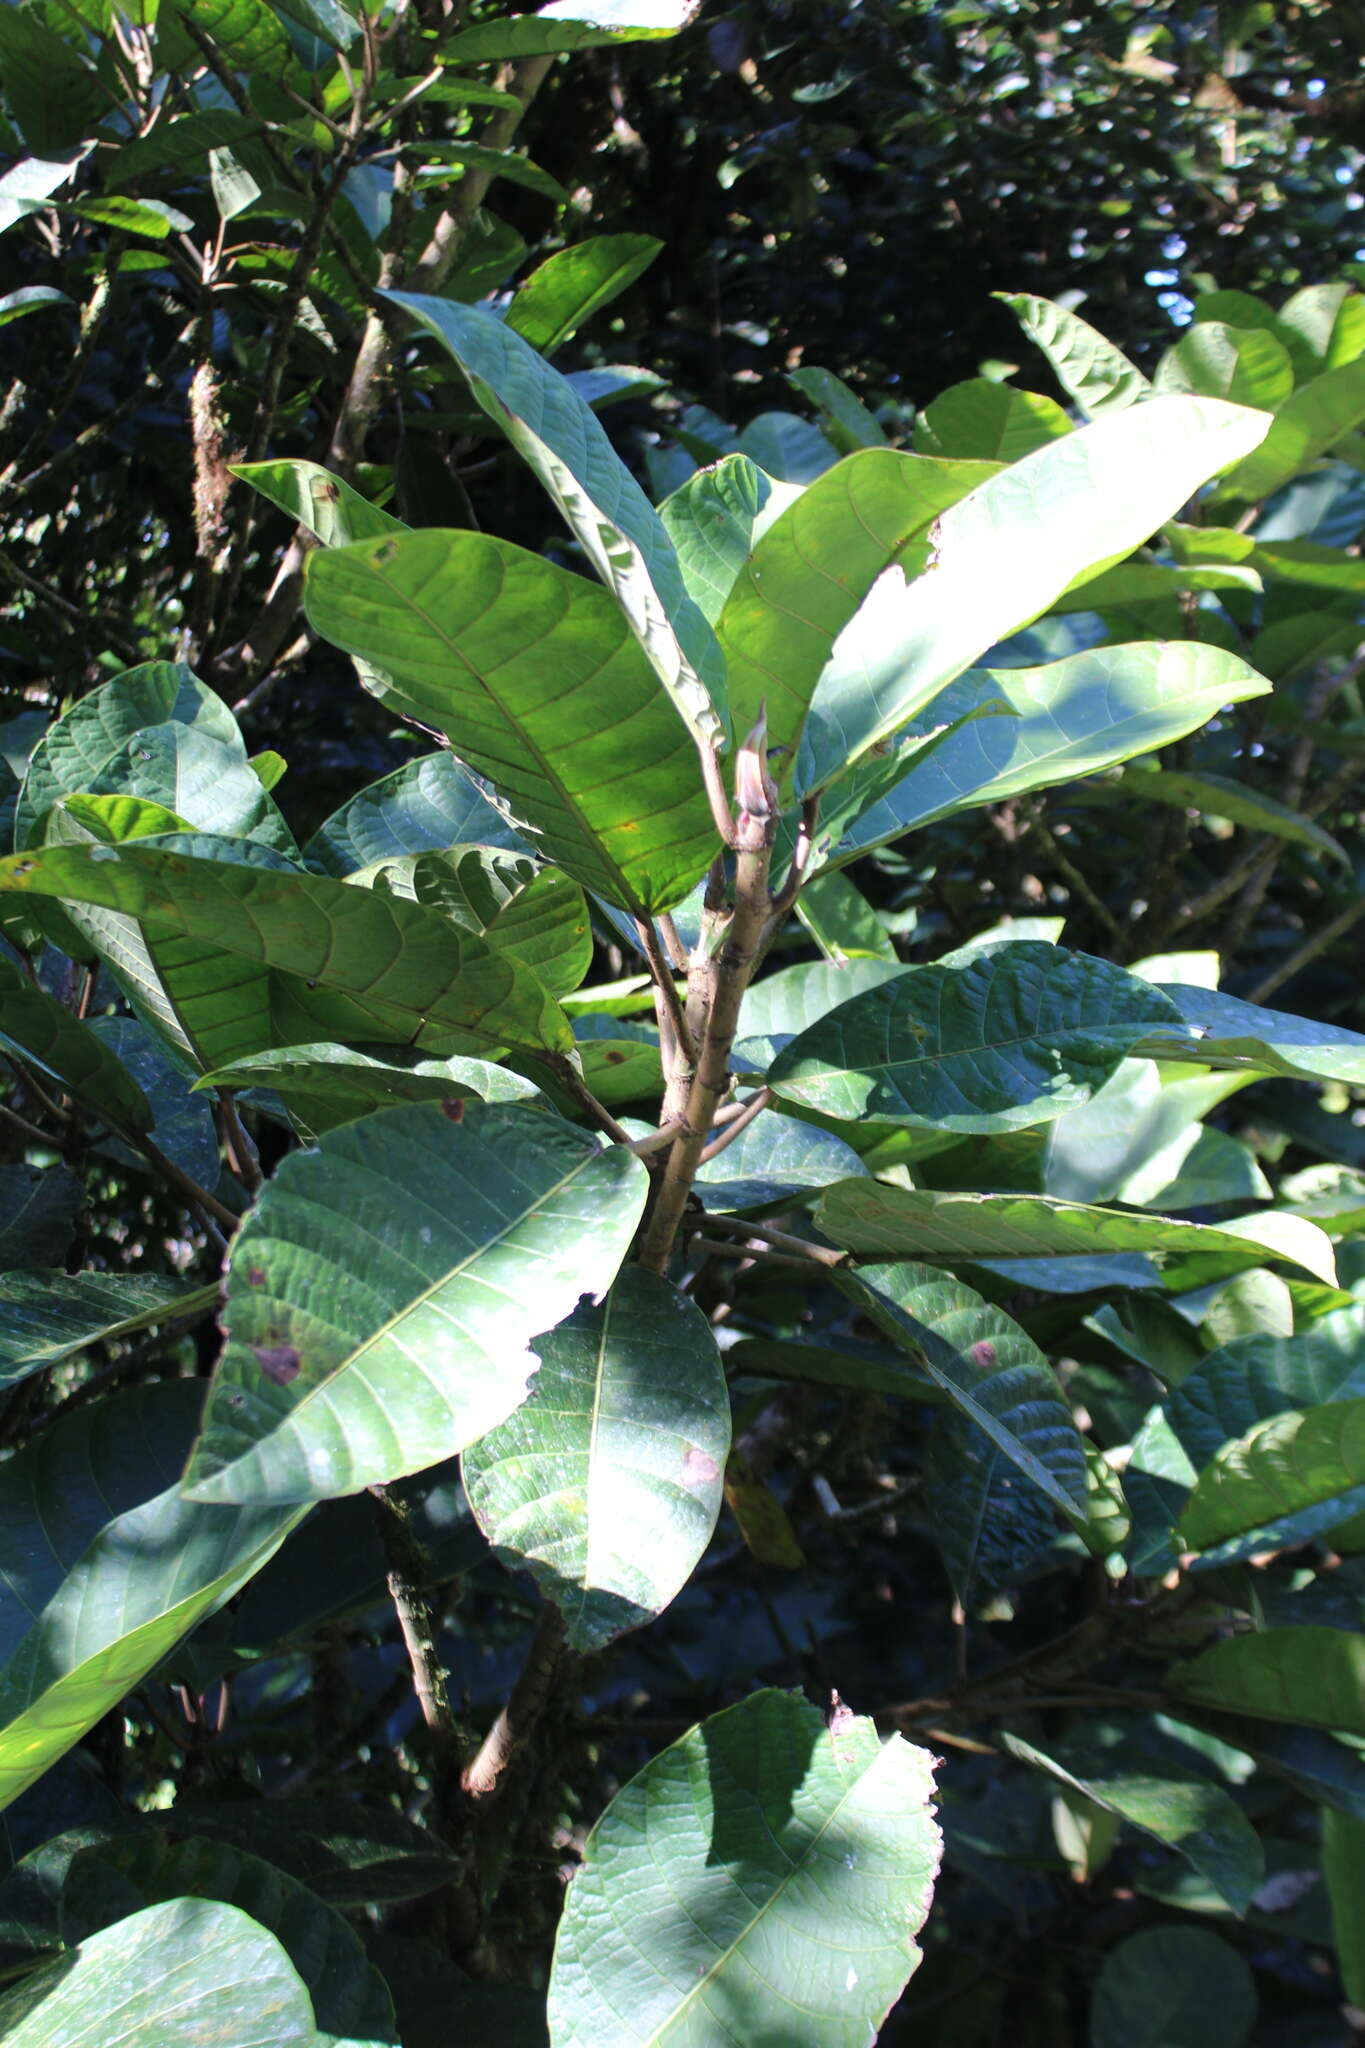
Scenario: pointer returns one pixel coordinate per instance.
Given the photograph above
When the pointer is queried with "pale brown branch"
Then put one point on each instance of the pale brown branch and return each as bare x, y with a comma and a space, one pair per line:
518, 1719
738, 1123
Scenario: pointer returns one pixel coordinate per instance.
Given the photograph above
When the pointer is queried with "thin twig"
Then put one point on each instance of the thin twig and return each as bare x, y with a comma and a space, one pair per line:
1308, 951
569, 1077
406, 1568
1074, 879
753, 1107
780, 1240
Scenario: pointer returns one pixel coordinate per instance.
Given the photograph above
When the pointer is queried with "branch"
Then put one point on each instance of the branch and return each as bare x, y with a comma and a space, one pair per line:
1308, 951
518, 1719
780, 1240
741, 1121
406, 1568
568, 1076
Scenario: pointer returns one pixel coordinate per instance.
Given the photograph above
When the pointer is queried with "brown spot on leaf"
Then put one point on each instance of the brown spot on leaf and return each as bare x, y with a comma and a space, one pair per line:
698, 1468
984, 1355
613, 1059
279, 1362
255, 1276
453, 1107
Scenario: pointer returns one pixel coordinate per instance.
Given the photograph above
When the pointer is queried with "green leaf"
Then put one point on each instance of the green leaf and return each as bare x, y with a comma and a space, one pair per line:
1093, 373
989, 421
771, 1873
566, 25
1323, 326
1236, 801
1315, 1675
30, 299
448, 160
775, 1158
181, 146
107, 1567
841, 921
248, 32
478, 1236
328, 1084
1314, 1763
1282, 1466
609, 515
399, 964
27, 185
606, 1483
790, 449
990, 1526
1197, 1819
1343, 1869
1306, 426
157, 733
424, 807
782, 1005
1245, 365
150, 217
1172, 1987
50, 1316
989, 1368
1072, 718
843, 416
184, 1129
1003, 1040
531, 913
109, 1882
1006, 553
715, 521
38, 1208
536, 678
1219, 1031
44, 1031
346, 1852
173, 1976
331, 509
55, 99
812, 569
878, 1220
564, 292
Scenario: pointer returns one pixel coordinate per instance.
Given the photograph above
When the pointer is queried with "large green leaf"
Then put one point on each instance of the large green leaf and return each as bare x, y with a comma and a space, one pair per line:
990, 421
1093, 373
998, 1042
345, 1851
331, 509
248, 32
1004, 554
1306, 426
38, 1207
106, 1567
537, 680
1196, 1818
381, 1296
50, 1316
715, 520
1238, 802
565, 25
1074, 717
764, 1878
775, 1159
813, 568
154, 732
606, 1483
1217, 1030
424, 807
534, 914
184, 1129
334, 1084
178, 1975
398, 965
573, 284
1172, 1987
989, 1368
109, 1882
45, 1032
1286, 1464
1343, 1867
1325, 1770
877, 1220
1245, 365
1315, 1675
609, 515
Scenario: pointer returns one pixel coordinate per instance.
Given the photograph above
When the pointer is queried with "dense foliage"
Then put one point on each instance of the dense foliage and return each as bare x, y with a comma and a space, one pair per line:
674, 1248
